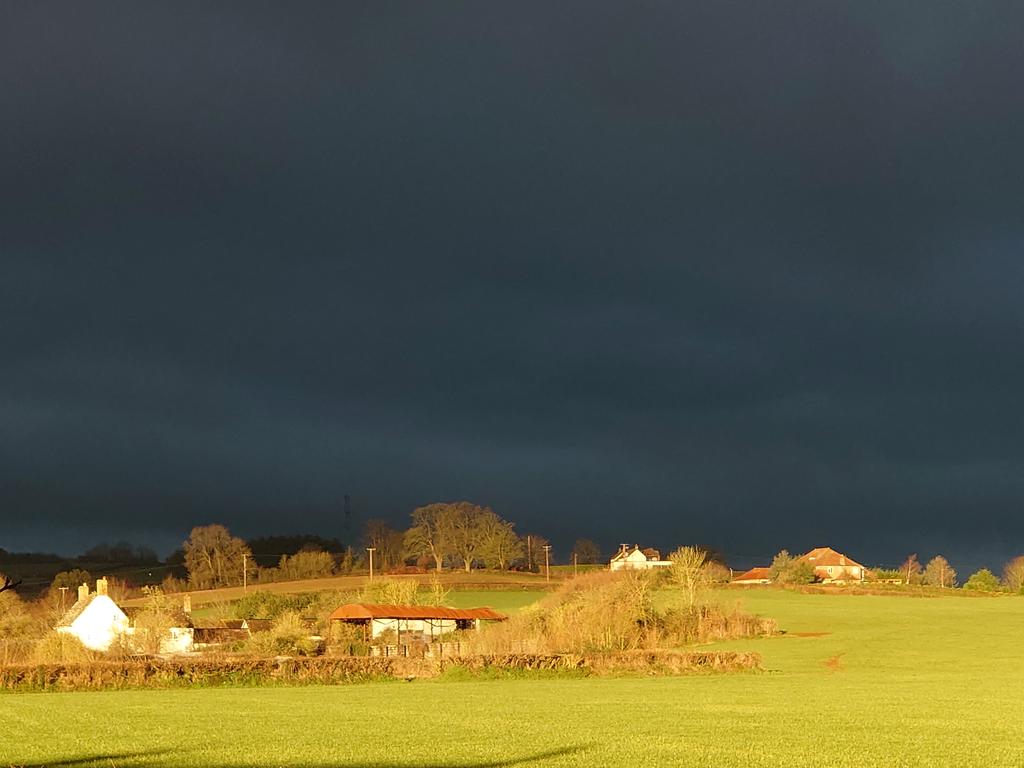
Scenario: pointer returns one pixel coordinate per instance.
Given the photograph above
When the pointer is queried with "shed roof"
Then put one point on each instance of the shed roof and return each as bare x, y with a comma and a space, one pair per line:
365, 611
755, 574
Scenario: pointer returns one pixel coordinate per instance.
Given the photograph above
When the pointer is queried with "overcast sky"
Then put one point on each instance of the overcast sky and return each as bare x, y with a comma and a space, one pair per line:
738, 273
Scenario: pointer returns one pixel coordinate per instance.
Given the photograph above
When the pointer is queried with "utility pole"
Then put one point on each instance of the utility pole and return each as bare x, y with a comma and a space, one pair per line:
371, 550
547, 562
529, 553
347, 512
245, 572
63, 591
575, 568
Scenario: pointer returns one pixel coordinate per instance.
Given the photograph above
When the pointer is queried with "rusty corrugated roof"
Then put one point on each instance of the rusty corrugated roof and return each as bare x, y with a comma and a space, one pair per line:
364, 611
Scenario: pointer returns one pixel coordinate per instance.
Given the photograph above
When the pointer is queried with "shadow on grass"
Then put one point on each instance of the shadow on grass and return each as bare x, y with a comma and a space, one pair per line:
150, 759
119, 759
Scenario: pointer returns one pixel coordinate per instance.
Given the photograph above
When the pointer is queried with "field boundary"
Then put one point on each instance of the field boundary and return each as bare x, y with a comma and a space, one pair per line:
235, 672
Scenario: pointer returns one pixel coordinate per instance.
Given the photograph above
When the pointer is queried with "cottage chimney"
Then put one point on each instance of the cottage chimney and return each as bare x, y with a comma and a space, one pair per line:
186, 604
83, 592
101, 586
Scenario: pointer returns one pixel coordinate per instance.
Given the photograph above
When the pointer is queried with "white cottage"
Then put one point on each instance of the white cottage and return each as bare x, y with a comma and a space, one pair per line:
637, 559
94, 619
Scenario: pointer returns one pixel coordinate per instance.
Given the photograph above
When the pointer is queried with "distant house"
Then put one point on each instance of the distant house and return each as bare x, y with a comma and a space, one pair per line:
98, 622
754, 576
412, 622
831, 566
637, 559
95, 619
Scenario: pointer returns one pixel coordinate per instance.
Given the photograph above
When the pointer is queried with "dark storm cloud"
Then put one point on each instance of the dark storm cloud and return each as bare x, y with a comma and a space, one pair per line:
740, 274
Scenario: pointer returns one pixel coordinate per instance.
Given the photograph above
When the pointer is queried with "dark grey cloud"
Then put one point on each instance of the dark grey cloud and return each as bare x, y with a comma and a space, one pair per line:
732, 273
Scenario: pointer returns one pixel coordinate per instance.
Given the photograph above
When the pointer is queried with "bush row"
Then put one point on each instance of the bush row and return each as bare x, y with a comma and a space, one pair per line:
174, 673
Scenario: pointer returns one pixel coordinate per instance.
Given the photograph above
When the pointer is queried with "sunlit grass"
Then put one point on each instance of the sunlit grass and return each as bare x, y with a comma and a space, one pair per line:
895, 682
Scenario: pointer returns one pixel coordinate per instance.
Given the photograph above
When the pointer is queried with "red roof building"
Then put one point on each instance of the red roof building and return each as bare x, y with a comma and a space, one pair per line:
418, 622
754, 576
830, 565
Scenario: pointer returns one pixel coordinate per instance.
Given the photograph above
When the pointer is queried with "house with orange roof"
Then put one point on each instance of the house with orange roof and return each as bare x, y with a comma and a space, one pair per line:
831, 566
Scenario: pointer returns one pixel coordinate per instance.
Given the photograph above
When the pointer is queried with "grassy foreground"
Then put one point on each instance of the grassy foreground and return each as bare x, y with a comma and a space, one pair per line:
896, 682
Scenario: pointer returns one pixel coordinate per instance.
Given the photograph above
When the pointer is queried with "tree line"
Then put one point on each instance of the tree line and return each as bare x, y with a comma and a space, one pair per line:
457, 535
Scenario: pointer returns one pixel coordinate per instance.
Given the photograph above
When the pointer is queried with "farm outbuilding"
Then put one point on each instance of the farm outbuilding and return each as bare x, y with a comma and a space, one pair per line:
414, 622
754, 576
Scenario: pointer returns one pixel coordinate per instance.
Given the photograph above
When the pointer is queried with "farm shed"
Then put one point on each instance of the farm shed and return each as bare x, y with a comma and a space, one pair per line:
754, 576
421, 622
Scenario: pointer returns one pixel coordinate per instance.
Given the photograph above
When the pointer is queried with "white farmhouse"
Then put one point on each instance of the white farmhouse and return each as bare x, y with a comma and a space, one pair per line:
94, 619
637, 559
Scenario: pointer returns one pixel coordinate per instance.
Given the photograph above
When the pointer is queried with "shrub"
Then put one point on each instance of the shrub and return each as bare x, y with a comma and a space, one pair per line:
61, 647
939, 573
270, 605
983, 581
306, 564
595, 612
1013, 575
171, 584
787, 570
289, 636
181, 673
886, 574
711, 623
154, 621
612, 612
392, 592
15, 619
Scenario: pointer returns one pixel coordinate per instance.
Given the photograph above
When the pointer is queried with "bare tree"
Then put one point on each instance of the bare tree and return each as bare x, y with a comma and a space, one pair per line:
688, 571
9, 584
939, 573
469, 523
215, 558
431, 533
387, 542
586, 551
911, 570
499, 545
1013, 574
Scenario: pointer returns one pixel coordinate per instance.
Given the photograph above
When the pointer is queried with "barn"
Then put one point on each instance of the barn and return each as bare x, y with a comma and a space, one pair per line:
416, 623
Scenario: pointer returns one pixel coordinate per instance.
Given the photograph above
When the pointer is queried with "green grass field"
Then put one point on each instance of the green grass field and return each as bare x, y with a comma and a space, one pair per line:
896, 681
